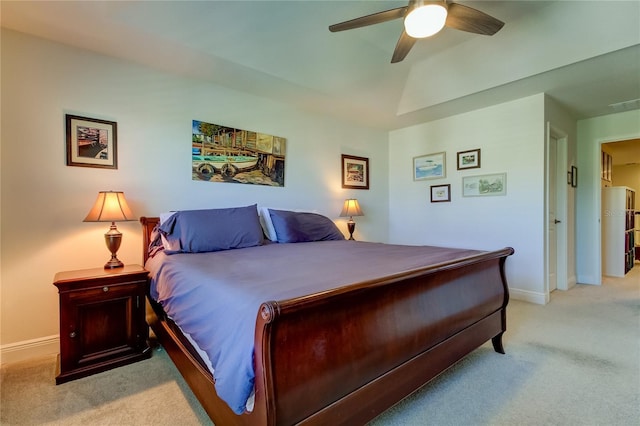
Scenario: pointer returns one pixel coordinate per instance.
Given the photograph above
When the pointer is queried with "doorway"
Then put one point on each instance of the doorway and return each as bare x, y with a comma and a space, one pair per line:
622, 170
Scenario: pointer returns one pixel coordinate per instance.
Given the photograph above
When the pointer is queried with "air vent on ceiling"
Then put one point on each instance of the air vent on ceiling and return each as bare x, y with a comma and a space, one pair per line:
626, 105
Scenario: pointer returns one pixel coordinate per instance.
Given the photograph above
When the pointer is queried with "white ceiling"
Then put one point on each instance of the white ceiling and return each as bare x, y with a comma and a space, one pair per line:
584, 54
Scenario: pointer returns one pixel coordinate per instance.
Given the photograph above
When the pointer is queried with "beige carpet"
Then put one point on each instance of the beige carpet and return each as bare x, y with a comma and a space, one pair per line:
575, 361
147, 392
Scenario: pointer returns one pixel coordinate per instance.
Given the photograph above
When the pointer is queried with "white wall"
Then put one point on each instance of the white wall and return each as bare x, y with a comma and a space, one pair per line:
592, 133
43, 201
511, 138
628, 175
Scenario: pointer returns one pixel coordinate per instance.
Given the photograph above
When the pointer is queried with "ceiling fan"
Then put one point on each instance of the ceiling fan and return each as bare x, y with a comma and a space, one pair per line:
423, 18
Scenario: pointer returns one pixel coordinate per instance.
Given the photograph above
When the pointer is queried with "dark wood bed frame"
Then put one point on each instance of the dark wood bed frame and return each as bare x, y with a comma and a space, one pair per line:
344, 356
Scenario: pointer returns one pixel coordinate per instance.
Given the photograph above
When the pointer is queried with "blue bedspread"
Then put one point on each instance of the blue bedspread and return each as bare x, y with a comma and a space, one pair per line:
214, 297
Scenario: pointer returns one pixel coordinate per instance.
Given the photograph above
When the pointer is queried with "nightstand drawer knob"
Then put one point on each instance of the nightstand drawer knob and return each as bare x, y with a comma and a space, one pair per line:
105, 289
72, 334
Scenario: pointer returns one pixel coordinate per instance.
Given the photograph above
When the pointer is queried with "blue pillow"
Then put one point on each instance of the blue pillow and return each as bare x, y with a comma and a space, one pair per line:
301, 227
199, 231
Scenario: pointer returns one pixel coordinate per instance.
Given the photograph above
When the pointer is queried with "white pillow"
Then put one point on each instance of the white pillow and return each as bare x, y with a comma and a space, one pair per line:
267, 225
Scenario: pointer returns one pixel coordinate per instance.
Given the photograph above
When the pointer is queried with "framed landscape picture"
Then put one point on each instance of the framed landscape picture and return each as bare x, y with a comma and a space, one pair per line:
430, 166
91, 142
355, 172
469, 159
484, 185
223, 154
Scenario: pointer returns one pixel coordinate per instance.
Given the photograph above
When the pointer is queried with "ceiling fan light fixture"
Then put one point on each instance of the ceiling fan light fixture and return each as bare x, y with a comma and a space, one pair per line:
425, 20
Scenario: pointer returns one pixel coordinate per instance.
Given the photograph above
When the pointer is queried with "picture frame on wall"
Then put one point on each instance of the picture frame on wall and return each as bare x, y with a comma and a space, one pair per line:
469, 159
355, 172
225, 154
440, 193
430, 166
91, 142
484, 185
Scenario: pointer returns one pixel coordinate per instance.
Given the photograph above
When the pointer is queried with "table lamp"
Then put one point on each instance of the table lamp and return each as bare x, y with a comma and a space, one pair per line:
351, 208
111, 206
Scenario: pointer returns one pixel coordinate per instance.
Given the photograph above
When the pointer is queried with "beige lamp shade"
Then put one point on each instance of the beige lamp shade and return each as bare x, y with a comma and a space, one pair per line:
110, 206
351, 208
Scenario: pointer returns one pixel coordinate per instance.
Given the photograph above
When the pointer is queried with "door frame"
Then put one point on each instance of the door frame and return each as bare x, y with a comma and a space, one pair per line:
561, 190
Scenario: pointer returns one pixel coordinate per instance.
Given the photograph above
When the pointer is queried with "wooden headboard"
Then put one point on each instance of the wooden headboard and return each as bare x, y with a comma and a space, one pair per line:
148, 223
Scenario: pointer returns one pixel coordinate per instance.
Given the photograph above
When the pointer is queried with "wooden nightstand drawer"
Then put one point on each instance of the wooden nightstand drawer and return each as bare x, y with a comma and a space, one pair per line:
102, 320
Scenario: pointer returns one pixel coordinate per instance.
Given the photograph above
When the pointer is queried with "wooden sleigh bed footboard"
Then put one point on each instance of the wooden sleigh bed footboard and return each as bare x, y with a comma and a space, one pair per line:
344, 356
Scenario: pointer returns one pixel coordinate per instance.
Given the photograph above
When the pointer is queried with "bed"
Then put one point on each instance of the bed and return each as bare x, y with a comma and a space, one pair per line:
366, 325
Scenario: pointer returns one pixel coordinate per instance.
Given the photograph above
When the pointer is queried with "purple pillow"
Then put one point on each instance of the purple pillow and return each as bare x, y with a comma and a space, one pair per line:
214, 229
301, 227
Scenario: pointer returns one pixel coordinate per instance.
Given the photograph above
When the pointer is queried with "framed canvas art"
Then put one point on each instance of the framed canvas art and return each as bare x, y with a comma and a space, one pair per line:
225, 154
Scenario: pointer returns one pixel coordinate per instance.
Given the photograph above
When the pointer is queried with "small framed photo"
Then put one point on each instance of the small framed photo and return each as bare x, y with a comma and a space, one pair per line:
91, 142
430, 166
440, 193
484, 185
469, 159
355, 172
573, 177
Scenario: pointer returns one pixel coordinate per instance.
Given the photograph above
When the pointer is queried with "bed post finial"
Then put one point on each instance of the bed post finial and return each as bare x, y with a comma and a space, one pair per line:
269, 311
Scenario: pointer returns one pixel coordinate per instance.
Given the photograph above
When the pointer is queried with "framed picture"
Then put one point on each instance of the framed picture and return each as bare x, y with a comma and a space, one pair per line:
91, 142
484, 185
355, 172
223, 154
431, 166
469, 159
440, 193
573, 181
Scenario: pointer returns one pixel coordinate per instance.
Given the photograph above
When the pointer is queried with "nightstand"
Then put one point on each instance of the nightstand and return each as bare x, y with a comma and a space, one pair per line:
102, 320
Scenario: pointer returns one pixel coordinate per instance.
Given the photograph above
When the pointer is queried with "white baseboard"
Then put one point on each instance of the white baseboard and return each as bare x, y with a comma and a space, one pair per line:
27, 349
588, 279
528, 296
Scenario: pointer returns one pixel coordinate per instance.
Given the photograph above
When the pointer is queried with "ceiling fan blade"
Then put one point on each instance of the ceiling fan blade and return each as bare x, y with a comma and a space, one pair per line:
375, 18
465, 18
404, 45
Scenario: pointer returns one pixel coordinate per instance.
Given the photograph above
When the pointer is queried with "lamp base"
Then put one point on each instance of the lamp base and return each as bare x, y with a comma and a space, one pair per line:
113, 238
113, 263
351, 226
